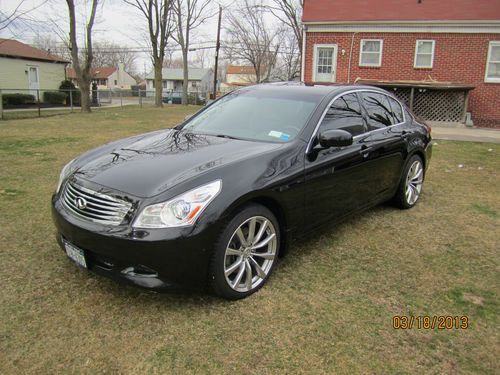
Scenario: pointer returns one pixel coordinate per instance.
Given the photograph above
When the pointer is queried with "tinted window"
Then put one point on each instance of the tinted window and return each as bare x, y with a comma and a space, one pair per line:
344, 113
397, 111
378, 110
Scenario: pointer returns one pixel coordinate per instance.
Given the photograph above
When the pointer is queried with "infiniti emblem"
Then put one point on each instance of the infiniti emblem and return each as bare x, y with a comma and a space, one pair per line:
81, 203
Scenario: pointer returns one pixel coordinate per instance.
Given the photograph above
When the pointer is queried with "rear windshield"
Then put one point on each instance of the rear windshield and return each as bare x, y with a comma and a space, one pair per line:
255, 115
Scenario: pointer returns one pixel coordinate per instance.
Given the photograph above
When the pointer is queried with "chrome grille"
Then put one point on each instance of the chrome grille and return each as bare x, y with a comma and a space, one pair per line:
94, 206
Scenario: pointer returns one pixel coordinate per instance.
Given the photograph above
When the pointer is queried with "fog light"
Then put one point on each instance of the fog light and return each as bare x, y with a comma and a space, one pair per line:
140, 271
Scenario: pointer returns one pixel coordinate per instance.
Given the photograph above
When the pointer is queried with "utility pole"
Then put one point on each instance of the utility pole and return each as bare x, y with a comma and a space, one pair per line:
217, 46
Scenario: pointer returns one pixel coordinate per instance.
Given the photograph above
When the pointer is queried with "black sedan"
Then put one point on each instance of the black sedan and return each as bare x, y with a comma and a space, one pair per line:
215, 201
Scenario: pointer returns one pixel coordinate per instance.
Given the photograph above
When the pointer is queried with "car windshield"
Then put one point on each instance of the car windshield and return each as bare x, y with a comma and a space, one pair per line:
261, 115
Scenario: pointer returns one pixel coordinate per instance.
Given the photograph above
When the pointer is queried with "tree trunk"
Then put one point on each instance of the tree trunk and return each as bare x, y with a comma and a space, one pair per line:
186, 78
85, 96
257, 73
158, 83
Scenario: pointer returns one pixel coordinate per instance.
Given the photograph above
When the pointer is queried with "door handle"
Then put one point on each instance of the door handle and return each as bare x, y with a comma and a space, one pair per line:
365, 151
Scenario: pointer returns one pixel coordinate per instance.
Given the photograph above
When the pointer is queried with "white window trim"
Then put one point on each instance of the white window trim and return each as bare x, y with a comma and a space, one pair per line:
416, 52
490, 47
361, 52
315, 56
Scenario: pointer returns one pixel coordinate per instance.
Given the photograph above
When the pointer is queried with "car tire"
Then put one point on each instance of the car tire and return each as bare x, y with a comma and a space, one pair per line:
242, 262
410, 186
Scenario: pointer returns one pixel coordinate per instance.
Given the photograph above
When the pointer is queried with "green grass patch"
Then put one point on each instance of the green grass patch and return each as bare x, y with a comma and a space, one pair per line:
5, 193
485, 210
22, 144
327, 309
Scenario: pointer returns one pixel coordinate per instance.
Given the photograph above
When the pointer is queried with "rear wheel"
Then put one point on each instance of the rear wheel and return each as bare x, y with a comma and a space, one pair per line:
245, 253
411, 183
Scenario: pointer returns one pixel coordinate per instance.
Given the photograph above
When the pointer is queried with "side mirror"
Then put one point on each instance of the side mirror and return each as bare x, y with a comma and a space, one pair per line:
335, 138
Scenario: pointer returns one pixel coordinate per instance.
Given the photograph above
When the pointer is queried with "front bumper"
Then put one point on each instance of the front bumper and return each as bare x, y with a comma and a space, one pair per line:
158, 259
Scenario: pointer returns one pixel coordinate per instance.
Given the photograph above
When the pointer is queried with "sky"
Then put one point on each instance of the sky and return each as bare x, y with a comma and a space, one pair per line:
116, 22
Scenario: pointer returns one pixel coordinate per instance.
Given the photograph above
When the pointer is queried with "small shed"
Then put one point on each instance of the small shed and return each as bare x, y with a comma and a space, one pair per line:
430, 100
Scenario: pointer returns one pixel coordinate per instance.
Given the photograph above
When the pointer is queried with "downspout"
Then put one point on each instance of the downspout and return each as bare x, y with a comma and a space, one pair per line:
303, 63
350, 58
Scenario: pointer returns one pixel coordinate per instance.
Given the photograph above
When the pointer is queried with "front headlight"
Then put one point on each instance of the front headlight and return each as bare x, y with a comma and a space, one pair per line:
180, 211
65, 172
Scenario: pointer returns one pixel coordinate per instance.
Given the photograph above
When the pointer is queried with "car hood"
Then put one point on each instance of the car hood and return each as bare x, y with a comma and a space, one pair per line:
151, 164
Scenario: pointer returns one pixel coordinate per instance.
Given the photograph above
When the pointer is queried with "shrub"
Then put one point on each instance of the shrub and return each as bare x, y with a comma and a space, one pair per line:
67, 85
54, 97
17, 99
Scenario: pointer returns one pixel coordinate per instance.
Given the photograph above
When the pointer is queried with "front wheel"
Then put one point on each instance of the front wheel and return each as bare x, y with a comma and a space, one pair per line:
411, 183
245, 253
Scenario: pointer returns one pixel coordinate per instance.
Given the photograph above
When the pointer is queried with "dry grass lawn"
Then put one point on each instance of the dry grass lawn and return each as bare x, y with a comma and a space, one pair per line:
327, 309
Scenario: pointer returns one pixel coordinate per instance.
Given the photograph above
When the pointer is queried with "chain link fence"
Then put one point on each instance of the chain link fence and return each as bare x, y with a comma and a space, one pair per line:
24, 103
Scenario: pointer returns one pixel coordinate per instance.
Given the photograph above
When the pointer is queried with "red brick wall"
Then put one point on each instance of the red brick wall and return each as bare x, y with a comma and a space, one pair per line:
457, 58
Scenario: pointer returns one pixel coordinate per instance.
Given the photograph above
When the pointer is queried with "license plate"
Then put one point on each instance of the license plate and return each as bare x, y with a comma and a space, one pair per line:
75, 254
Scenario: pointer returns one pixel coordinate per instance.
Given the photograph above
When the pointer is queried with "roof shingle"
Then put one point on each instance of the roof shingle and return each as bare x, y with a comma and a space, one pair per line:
400, 10
95, 73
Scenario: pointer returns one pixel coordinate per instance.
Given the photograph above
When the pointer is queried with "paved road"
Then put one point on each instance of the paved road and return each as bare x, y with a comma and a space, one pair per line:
466, 134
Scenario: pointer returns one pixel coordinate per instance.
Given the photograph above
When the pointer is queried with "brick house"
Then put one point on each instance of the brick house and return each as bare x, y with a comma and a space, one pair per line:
437, 50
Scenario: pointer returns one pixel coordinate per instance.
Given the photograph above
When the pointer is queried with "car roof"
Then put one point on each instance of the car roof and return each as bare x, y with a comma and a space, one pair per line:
300, 88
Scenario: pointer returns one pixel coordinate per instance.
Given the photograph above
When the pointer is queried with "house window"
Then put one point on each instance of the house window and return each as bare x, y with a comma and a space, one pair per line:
493, 63
116, 82
424, 54
371, 52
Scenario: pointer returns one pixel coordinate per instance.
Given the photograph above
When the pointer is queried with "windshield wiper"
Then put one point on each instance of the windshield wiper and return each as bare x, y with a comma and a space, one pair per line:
225, 136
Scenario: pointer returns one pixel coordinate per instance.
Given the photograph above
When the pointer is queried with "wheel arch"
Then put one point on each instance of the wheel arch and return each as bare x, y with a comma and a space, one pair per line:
420, 153
271, 204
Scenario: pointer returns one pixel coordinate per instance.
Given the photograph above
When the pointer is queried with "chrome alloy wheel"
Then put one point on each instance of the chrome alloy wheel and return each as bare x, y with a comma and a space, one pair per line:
414, 181
250, 254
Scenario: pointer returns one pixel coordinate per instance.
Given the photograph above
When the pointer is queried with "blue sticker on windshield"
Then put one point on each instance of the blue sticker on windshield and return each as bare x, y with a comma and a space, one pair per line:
284, 137
280, 135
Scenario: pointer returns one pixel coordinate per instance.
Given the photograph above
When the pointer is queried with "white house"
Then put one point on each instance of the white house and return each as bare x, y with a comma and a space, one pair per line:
199, 80
239, 75
107, 77
26, 69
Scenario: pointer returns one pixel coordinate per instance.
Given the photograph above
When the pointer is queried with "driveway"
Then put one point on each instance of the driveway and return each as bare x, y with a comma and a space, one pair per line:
466, 134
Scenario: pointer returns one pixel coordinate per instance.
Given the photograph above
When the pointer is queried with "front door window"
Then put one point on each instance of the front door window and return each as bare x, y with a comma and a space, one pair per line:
325, 64
33, 80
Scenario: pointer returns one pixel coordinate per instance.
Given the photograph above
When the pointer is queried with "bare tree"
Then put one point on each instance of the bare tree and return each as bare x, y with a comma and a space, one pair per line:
251, 39
110, 54
16, 17
202, 58
189, 14
158, 14
289, 12
172, 60
288, 62
50, 45
82, 68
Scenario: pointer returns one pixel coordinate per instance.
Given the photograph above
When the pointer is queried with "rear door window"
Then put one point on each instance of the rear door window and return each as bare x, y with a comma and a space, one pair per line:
397, 110
378, 110
345, 114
